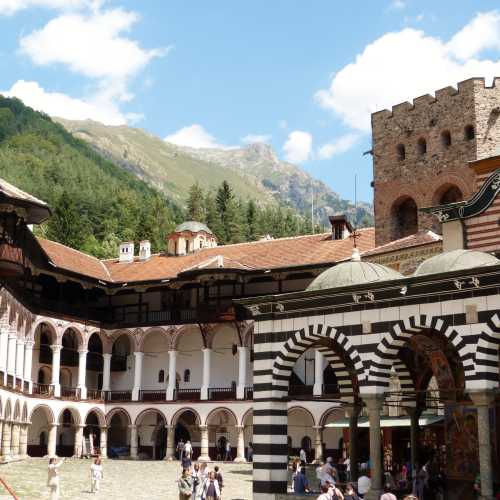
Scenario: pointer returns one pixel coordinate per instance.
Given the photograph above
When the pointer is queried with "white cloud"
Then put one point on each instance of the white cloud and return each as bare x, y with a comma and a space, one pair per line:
298, 146
402, 65
64, 106
11, 7
253, 138
194, 136
338, 146
398, 4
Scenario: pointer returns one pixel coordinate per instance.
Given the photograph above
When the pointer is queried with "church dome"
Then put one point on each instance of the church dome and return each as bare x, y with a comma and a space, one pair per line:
353, 272
454, 261
193, 227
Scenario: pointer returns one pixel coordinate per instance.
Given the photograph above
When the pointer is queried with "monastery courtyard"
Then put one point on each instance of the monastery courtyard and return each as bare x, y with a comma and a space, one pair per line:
123, 479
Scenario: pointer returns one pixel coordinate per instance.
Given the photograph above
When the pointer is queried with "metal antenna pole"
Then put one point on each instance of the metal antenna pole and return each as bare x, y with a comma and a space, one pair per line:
312, 206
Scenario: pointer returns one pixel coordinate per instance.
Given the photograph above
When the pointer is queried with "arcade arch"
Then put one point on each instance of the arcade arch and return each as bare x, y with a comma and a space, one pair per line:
122, 364
68, 420
119, 425
41, 419
151, 434
155, 347
186, 423
221, 424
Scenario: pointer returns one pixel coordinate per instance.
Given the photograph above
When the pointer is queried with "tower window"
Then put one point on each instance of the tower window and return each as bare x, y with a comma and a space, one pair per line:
422, 146
469, 133
401, 152
446, 138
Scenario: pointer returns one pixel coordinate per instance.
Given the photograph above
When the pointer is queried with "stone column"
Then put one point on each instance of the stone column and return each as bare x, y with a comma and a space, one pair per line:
172, 375
23, 441
133, 441
78, 441
240, 449
6, 439
353, 441
56, 368
318, 373
104, 441
482, 401
82, 372
137, 375
52, 441
170, 450
14, 447
11, 354
1, 443
106, 372
4, 347
20, 359
318, 444
374, 404
28, 360
242, 372
204, 456
206, 373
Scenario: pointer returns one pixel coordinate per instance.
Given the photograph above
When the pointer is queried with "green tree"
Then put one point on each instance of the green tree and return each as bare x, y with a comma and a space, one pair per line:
196, 203
213, 219
252, 222
7, 123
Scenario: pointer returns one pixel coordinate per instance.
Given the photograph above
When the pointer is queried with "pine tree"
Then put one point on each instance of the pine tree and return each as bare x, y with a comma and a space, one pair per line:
195, 203
252, 222
234, 223
213, 219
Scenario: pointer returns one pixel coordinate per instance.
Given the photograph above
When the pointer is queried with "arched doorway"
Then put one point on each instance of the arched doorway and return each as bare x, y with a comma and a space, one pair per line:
118, 433
41, 370
95, 363
92, 432
404, 218
449, 193
66, 432
151, 435
300, 430
38, 432
69, 362
187, 427
221, 431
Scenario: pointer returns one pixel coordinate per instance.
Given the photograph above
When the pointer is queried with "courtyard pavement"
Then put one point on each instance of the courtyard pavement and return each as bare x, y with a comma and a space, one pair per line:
123, 479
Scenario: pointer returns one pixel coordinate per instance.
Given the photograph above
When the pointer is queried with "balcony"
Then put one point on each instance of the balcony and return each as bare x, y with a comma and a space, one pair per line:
152, 395
10, 381
187, 395
70, 393
331, 390
222, 393
95, 395
117, 396
45, 390
248, 393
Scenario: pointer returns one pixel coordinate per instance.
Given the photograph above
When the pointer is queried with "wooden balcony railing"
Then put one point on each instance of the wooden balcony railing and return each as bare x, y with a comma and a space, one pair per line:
187, 395
248, 393
43, 389
221, 393
10, 381
69, 393
19, 384
114, 396
95, 394
149, 395
330, 390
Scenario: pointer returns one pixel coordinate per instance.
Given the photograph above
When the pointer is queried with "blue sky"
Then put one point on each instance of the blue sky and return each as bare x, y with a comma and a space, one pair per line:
303, 76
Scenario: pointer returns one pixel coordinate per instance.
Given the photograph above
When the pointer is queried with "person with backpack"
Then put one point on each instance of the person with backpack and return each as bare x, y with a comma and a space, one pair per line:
185, 485
218, 476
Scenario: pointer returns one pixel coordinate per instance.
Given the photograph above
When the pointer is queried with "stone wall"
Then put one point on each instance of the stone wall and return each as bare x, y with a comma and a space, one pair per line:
425, 176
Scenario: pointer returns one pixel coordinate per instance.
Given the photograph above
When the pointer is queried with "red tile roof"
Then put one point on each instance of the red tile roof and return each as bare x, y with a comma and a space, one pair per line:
259, 255
414, 240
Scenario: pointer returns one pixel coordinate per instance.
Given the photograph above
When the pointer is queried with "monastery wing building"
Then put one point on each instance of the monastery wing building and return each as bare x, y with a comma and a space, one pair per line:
378, 344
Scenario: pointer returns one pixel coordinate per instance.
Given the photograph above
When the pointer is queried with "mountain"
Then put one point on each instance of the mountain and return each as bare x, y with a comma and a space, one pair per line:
254, 171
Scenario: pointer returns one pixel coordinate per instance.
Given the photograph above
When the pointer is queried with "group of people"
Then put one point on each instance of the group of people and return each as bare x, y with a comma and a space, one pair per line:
198, 482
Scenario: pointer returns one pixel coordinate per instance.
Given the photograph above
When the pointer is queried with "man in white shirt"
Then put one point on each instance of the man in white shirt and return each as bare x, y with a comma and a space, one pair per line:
303, 456
188, 449
347, 463
364, 484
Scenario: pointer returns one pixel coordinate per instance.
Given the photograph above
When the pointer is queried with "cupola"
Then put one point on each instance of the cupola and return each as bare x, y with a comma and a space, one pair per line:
190, 237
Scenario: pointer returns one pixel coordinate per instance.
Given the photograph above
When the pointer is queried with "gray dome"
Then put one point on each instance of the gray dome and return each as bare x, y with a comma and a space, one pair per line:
193, 226
454, 261
353, 272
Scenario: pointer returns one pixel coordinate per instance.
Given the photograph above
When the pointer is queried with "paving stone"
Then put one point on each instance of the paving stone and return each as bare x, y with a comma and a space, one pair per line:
123, 479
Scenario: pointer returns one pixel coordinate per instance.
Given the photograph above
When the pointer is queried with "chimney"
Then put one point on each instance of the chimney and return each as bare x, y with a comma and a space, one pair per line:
341, 227
144, 250
126, 252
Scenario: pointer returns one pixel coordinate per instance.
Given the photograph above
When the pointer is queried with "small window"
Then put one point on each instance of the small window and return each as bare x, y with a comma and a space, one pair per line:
187, 375
161, 376
401, 152
422, 146
446, 139
469, 133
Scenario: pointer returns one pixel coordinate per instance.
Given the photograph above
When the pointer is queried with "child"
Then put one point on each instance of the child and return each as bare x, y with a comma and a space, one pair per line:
95, 475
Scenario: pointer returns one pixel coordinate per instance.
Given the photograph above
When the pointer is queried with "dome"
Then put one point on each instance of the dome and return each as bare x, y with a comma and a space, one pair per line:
193, 226
353, 272
454, 261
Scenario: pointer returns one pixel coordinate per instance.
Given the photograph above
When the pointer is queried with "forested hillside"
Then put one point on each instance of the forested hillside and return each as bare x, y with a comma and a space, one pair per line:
97, 204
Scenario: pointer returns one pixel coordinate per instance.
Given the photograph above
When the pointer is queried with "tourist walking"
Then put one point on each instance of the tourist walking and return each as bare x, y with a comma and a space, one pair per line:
95, 475
350, 492
388, 494
219, 477
188, 449
180, 449
303, 457
197, 481
53, 478
227, 458
300, 483
211, 489
185, 485
364, 483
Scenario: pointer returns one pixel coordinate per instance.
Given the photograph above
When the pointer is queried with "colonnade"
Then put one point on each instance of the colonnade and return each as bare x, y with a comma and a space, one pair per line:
13, 440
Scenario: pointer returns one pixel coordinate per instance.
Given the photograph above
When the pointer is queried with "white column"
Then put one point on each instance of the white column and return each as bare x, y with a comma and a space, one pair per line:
374, 404
52, 441
133, 441
11, 354
4, 347
6, 439
28, 360
15, 440
137, 375
204, 456
78, 441
242, 371
104, 442
172, 374
56, 368
82, 372
23, 441
318, 445
106, 372
318, 373
240, 449
20, 359
206, 373
170, 452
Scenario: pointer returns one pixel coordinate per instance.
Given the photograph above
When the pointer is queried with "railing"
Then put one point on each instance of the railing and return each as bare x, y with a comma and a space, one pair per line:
149, 395
10, 381
26, 386
248, 392
221, 393
19, 384
300, 390
95, 394
69, 393
112, 396
43, 389
187, 395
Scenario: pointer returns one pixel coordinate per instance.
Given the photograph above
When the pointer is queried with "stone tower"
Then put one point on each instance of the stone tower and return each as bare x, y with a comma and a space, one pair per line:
421, 153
